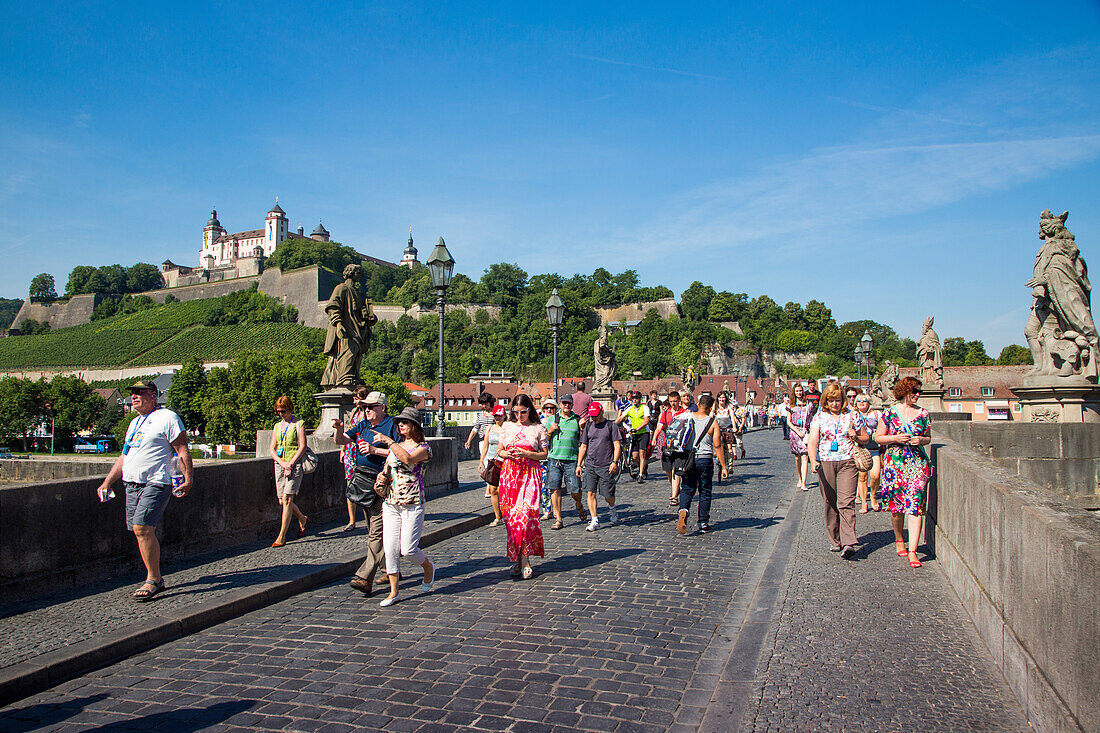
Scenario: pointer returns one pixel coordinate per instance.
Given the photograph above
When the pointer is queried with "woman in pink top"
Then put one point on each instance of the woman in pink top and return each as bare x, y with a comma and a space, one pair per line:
523, 443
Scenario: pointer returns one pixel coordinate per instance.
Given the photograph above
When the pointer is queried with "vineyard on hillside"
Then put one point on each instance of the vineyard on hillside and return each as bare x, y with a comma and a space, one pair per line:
170, 334
221, 343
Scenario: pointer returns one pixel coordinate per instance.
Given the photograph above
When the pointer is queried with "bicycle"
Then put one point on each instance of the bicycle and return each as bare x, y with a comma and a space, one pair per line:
626, 460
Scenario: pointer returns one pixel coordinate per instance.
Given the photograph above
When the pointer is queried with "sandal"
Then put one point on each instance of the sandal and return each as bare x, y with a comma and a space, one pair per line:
302, 526
349, 527
863, 510
913, 561
143, 594
900, 546
673, 501
494, 523
277, 543
557, 524
515, 572
528, 572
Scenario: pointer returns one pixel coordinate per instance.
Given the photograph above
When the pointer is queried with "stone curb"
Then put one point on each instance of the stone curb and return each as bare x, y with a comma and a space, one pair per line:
48, 670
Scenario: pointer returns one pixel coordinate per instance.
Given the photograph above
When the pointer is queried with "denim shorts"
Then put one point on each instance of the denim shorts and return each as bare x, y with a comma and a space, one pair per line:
558, 470
145, 503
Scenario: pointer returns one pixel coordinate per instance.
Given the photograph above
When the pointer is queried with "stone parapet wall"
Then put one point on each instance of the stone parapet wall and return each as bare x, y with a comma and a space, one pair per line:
1062, 458
59, 314
214, 289
18, 469
58, 532
1027, 568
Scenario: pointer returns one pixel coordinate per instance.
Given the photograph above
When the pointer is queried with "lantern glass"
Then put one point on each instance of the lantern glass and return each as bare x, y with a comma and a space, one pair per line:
441, 265
555, 309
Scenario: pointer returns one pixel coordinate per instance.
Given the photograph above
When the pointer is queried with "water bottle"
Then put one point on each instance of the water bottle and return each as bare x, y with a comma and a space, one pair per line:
177, 476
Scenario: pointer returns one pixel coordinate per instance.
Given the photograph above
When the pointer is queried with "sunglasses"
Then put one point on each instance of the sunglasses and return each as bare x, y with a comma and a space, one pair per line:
282, 412
915, 391
519, 409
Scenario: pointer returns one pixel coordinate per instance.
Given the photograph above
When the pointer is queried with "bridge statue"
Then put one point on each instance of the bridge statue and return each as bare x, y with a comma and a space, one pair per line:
1060, 330
350, 322
930, 357
882, 392
605, 364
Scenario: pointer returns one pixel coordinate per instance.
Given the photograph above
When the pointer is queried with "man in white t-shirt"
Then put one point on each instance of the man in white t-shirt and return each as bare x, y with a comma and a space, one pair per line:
155, 436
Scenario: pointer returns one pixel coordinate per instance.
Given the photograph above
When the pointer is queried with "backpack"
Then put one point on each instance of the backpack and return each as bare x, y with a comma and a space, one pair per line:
680, 434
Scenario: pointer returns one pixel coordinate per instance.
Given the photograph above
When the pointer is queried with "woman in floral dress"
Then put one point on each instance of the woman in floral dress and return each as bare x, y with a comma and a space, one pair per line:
798, 410
523, 443
906, 470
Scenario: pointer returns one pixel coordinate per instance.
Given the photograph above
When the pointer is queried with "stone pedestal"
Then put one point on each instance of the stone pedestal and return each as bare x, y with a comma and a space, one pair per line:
336, 403
1046, 400
931, 399
607, 399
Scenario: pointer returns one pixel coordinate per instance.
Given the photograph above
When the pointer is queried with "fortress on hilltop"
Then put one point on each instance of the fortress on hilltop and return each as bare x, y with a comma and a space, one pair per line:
225, 256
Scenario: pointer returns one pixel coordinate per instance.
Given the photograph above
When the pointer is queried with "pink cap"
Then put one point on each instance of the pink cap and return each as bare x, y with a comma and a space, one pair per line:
499, 410
594, 409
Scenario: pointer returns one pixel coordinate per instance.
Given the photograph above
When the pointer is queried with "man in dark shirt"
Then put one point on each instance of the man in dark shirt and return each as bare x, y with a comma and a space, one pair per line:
369, 460
581, 403
601, 443
813, 399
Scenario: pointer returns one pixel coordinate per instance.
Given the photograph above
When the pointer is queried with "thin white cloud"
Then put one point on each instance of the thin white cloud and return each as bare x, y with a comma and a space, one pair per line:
664, 69
837, 188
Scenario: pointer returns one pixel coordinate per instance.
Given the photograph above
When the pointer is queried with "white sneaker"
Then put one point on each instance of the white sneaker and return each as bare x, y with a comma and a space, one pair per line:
614, 515
592, 526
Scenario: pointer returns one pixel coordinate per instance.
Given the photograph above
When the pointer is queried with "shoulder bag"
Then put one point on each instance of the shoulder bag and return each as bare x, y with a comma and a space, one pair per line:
309, 461
361, 487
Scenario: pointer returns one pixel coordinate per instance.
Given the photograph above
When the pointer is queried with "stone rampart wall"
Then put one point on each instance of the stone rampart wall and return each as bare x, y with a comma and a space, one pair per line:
58, 532
214, 289
62, 314
1027, 568
666, 307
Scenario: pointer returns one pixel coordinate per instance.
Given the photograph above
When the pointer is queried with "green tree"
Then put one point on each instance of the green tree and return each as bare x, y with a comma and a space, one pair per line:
74, 406
21, 407
1015, 355
31, 327
42, 288
695, 301
793, 340
9, 309
726, 306
504, 284
295, 253
142, 276
185, 395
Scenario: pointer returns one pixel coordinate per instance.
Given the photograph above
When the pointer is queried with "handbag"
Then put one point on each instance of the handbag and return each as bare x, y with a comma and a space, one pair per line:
361, 487
491, 473
862, 457
685, 464
382, 482
309, 461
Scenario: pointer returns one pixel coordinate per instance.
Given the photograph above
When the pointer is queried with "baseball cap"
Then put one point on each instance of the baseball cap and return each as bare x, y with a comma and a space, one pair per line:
566, 398
499, 410
594, 409
143, 384
376, 398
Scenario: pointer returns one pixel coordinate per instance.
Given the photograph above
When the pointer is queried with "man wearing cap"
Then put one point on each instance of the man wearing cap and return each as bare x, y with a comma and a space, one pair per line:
599, 455
145, 467
638, 428
563, 428
372, 436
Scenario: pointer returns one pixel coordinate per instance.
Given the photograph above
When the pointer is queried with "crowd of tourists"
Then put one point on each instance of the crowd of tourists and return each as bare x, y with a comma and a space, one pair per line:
531, 458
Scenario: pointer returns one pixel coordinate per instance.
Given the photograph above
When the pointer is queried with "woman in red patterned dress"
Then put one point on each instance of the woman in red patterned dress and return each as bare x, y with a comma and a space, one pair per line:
523, 443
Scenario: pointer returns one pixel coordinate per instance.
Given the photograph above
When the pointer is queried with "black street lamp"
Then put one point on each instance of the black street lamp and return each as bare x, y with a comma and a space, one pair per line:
555, 312
441, 265
867, 343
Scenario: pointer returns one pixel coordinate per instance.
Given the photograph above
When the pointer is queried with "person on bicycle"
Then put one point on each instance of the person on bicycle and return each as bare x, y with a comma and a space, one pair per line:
638, 433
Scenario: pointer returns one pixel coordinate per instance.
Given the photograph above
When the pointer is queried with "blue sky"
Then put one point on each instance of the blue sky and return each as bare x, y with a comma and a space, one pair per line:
890, 160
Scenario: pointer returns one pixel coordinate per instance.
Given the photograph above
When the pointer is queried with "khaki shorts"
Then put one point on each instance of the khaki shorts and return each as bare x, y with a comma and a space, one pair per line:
285, 485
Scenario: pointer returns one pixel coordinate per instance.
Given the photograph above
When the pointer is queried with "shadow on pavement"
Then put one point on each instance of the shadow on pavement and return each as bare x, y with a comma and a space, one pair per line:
184, 720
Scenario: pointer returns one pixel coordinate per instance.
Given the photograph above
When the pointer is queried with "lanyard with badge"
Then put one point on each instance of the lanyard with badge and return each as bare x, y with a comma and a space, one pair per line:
282, 440
134, 435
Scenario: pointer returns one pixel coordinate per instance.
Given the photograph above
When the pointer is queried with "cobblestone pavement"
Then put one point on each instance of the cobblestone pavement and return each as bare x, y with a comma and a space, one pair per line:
57, 620
624, 629
872, 644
